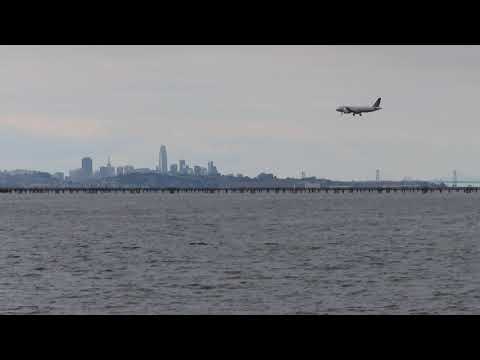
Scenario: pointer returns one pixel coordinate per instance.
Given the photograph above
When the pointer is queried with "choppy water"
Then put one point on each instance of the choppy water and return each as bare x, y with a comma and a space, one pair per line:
240, 253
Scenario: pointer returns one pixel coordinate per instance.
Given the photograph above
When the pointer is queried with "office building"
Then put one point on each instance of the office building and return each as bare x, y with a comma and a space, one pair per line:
212, 169
59, 176
142, 171
77, 175
107, 171
162, 160
120, 170
173, 169
103, 172
128, 169
182, 167
87, 166
197, 170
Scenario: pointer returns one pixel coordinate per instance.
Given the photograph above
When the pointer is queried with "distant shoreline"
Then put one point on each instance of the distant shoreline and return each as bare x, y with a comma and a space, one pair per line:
162, 181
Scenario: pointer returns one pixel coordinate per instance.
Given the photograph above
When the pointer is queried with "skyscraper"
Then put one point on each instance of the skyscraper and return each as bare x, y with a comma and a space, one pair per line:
182, 167
107, 171
87, 166
162, 160
212, 169
111, 169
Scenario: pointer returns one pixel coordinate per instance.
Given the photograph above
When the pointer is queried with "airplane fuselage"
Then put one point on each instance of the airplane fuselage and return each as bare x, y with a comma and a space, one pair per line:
354, 110
358, 110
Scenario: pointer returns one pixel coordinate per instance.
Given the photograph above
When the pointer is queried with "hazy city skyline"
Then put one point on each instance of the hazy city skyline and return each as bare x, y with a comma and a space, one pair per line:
89, 171
251, 109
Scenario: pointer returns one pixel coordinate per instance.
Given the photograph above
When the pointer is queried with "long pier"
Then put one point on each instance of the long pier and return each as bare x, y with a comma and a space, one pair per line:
252, 190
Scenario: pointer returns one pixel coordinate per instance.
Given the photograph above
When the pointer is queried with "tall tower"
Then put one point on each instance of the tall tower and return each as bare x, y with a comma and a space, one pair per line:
377, 176
110, 168
182, 166
455, 178
87, 166
162, 160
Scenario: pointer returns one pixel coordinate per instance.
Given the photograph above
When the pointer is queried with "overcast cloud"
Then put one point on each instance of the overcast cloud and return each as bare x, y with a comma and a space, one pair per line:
247, 108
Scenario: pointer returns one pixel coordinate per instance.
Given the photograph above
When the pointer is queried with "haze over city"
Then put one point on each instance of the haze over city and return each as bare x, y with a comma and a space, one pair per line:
251, 109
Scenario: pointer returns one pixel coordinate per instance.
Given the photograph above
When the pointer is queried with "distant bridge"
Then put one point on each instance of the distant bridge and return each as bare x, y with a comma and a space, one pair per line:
461, 182
470, 183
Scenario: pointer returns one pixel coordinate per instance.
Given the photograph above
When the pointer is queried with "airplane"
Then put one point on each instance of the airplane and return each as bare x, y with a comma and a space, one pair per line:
354, 110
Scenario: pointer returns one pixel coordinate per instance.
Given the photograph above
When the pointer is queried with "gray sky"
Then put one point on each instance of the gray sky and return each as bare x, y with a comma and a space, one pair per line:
247, 108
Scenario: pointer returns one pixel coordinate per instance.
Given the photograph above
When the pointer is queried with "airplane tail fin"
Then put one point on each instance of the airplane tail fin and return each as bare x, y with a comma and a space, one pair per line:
377, 103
